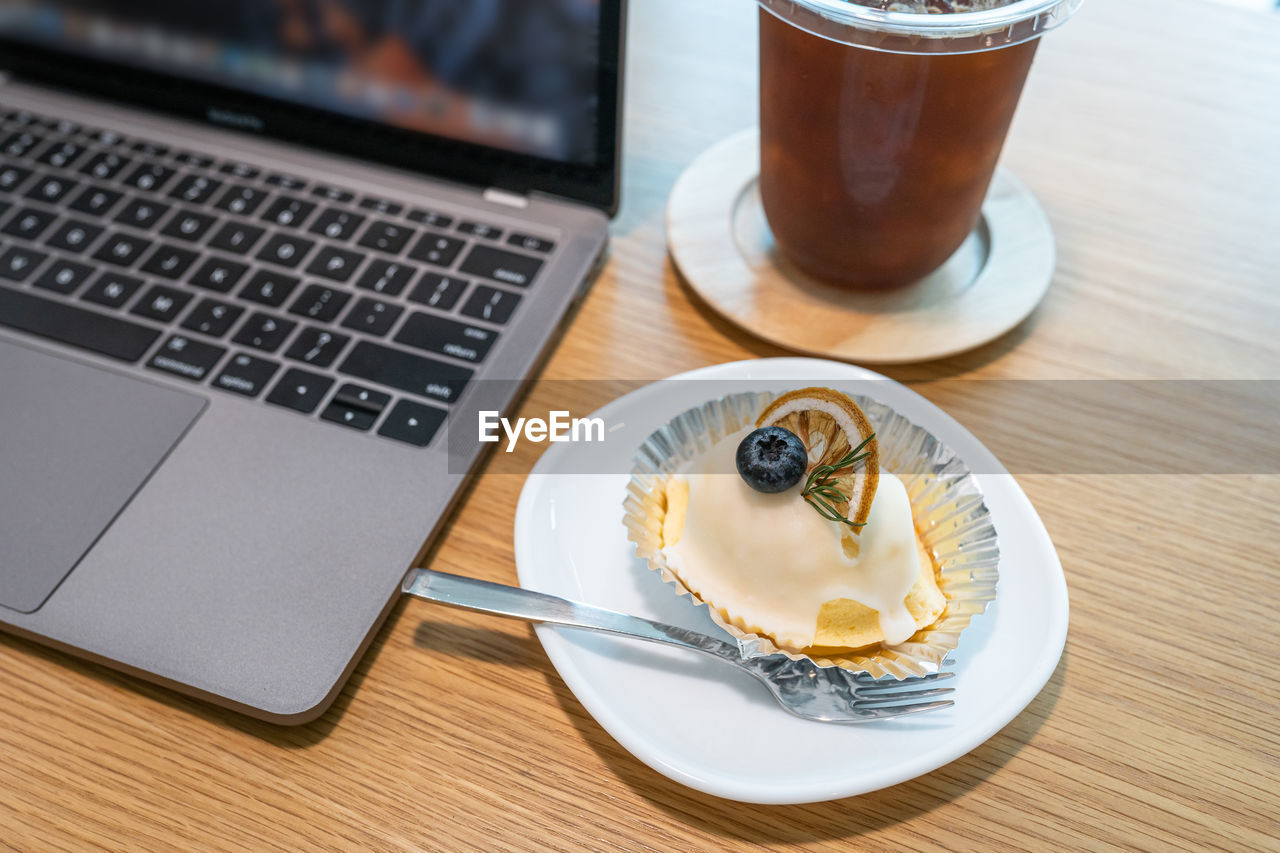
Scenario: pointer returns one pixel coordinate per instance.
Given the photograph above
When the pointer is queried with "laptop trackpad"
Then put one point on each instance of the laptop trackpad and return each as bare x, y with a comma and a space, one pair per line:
76, 443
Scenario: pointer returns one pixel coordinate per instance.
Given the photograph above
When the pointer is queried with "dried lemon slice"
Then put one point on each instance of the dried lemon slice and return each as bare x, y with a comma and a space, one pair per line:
844, 458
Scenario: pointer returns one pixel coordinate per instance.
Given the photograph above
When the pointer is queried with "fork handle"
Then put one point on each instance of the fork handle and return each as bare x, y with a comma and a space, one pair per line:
518, 603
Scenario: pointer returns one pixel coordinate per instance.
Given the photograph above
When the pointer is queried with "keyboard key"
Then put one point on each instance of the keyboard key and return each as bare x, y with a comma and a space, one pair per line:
436, 249
60, 155
218, 274
188, 225
150, 149
29, 223
288, 211
69, 324
386, 237
195, 189
359, 397
212, 318
491, 304
335, 264
317, 347
412, 423
438, 291
389, 277
336, 224
381, 205
531, 244
18, 263
246, 374
355, 406
170, 261
241, 199
449, 337
121, 249
300, 390
319, 303
150, 177
162, 303
12, 176
96, 201
74, 235
332, 193
430, 217
56, 124
373, 317
264, 332
239, 170
501, 265
285, 182
50, 189
104, 165
416, 374
141, 213
182, 356
20, 144
63, 276
190, 158
112, 289
66, 127
349, 416
479, 229
269, 288
26, 118
285, 250
237, 238
106, 137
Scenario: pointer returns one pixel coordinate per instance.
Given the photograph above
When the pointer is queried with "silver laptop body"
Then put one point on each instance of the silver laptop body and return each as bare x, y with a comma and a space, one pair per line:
194, 515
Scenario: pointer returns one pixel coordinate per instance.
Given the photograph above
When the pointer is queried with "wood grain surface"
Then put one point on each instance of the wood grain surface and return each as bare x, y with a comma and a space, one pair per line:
1150, 133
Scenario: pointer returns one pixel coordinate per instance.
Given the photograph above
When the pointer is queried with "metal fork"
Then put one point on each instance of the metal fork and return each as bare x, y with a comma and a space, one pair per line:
825, 694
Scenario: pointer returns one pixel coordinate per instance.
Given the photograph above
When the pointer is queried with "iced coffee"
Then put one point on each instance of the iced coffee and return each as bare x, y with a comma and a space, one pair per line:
877, 150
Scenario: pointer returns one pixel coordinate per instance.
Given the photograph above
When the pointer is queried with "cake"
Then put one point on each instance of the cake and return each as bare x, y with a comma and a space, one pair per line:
789, 529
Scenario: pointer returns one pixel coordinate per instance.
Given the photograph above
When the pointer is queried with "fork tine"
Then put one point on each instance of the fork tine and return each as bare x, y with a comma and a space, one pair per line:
862, 699
882, 713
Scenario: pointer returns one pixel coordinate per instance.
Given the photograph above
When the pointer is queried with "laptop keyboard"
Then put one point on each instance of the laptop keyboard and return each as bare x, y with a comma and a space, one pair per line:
251, 281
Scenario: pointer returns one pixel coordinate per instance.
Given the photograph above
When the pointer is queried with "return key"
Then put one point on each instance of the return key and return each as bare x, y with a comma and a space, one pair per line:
437, 334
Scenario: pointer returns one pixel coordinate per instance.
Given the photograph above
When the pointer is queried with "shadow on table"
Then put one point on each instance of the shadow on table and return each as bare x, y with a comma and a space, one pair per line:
811, 822
760, 824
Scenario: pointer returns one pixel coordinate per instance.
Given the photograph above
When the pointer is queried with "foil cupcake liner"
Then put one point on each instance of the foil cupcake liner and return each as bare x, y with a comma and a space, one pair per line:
946, 503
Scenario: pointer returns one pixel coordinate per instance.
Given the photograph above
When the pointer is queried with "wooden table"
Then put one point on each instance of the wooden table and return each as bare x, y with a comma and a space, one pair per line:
1151, 133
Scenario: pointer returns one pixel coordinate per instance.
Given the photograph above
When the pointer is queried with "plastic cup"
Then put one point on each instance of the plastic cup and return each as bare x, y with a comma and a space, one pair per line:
880, 130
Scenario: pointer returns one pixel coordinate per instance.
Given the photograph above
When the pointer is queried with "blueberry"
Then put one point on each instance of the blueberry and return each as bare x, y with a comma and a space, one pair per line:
772, 459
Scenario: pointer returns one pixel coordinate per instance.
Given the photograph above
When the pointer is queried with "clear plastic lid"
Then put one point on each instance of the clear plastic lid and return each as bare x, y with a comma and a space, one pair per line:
913, 32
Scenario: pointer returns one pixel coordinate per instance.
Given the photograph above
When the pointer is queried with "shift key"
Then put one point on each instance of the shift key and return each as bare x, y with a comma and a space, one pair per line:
394, 368
500, 265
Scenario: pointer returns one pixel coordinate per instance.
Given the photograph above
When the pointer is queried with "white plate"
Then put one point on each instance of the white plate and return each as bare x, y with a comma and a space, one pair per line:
712, 728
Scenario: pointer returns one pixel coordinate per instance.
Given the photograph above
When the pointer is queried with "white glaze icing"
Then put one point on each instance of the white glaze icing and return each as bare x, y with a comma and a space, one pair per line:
772, 561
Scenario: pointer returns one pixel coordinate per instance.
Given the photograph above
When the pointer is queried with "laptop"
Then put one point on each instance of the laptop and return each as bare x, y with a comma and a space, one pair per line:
259, 260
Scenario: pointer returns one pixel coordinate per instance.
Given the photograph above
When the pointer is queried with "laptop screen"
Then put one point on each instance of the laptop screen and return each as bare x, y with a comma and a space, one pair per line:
519, 75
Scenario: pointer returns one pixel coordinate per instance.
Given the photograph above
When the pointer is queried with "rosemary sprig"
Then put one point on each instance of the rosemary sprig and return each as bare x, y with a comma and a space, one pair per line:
820, 491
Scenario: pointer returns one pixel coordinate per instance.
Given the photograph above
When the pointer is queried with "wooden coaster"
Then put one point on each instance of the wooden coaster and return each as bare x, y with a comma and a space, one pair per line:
718, 237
